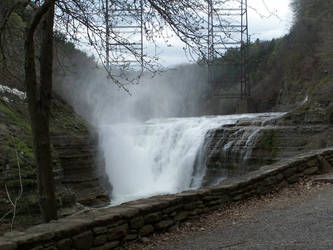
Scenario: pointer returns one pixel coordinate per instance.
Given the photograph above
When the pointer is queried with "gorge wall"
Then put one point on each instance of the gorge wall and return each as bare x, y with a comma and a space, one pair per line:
233, 150
74, 160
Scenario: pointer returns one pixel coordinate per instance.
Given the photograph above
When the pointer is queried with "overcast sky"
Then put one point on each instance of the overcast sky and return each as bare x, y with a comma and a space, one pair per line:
267, 19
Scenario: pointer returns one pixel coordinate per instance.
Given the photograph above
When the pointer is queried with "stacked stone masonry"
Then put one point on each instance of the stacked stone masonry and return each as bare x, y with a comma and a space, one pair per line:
112, 227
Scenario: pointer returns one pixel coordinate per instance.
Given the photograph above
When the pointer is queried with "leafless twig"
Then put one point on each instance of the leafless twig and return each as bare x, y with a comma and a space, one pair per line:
14, 203
6, 214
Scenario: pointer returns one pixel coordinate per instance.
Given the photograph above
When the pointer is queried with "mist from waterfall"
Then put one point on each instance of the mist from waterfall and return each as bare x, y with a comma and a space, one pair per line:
177, 92
143, 153
152, 140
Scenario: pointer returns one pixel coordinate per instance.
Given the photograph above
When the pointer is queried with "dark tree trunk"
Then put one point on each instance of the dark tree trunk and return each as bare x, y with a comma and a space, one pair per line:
39, 99
45, 176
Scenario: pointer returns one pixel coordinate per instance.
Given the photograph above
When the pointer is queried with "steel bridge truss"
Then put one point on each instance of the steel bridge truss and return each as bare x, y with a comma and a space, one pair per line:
124, 35
228, 29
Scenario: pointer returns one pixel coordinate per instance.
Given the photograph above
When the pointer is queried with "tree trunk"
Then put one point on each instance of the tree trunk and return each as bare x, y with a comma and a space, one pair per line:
46, 180
39, 100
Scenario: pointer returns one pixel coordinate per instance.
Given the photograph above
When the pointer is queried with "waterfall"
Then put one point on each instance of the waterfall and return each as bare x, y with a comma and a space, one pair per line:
158, 156
243, 140
249, 144
241, 143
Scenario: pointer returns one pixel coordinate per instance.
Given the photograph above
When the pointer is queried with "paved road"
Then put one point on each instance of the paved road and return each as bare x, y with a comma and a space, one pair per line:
308, 224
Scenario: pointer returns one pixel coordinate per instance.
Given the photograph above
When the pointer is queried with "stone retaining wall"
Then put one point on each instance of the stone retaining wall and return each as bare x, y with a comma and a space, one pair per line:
111, 227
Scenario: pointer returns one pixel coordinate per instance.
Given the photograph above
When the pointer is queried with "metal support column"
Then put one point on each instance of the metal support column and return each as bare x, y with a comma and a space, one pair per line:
124, 35
228, 29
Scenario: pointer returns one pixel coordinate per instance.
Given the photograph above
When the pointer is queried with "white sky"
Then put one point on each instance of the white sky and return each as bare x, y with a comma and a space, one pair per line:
267, 19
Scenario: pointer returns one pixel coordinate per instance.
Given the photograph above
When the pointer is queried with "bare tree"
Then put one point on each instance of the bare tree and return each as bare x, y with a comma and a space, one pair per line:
84, 22
93, 23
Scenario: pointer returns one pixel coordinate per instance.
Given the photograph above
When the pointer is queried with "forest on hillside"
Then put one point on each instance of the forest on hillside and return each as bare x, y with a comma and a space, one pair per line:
284, 71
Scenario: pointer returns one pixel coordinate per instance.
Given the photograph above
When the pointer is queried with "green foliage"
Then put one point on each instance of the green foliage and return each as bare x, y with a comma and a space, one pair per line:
312, 29
227, 68
17, 21
21, 147
267, 144
268, 141
4, 108
286, 70
61, 40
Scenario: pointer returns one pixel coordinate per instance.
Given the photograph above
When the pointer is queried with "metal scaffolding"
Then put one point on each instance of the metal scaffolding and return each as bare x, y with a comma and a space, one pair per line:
124, 35
228, 29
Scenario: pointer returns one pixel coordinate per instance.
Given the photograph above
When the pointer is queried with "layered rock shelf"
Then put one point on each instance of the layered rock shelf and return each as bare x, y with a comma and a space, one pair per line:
77, 156
74, 160
234, 150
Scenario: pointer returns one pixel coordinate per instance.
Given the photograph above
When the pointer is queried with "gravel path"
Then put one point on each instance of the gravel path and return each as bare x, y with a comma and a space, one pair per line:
297, 217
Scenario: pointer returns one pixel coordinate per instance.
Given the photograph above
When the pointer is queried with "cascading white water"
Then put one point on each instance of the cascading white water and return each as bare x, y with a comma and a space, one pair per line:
158, 156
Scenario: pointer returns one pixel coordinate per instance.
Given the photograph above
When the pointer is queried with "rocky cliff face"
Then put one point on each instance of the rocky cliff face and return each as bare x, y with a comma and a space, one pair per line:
246, 146
80, 174
73, 152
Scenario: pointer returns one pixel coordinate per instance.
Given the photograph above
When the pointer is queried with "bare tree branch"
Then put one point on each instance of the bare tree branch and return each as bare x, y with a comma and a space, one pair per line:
18, 197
